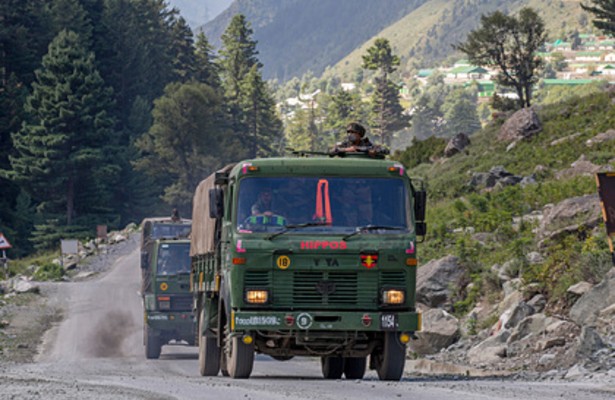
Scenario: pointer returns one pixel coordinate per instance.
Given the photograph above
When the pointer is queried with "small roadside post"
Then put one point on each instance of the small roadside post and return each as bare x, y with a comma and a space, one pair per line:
68, 246
606, 190
4, 246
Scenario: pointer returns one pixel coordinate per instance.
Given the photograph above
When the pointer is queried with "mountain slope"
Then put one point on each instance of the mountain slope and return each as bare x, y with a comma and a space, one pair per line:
198, 12
299, 36
426, 35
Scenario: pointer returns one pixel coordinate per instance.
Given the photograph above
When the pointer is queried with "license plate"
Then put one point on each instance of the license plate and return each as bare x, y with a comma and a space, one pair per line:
388, 322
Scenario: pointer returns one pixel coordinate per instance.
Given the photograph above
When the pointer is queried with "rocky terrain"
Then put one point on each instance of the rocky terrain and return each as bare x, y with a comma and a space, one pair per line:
29, 308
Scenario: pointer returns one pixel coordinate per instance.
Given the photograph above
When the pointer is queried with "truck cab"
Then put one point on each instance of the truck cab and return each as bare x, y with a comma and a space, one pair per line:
307, 257
167, 302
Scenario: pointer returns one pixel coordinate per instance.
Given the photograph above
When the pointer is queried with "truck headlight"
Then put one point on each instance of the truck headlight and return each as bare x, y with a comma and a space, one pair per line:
164, 303
393, 296
258, 296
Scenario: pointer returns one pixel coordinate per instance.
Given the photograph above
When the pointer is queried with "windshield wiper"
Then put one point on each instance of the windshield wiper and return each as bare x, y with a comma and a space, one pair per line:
296, 226
366, 228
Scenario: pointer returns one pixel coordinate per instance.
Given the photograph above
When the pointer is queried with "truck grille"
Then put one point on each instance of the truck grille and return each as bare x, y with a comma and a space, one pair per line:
325, 288
392, 278
181, 303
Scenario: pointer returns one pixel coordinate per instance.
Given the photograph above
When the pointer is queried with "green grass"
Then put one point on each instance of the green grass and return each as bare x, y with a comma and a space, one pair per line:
453, 204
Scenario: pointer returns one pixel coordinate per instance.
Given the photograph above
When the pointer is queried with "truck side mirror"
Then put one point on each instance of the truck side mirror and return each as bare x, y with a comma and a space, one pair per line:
421, 229
144, 260
216, 203
420, 202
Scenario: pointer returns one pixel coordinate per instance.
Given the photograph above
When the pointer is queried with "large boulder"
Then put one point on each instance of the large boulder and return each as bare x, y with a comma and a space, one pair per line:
497, 176
435, 279
569, 216
521, 125
457, 143
589, 342
586, 310
582, 166
493, 349
440, 330
532, 325
22, 285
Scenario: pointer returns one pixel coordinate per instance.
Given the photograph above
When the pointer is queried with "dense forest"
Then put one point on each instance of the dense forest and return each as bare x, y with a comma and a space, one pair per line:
111, 110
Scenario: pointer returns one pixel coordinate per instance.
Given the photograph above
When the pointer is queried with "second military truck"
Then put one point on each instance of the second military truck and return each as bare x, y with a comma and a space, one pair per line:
306, 257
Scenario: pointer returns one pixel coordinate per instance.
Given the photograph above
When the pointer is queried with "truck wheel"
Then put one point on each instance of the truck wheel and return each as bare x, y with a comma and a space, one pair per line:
240, 358
354, 367
209, 352
153, 344
332, 367
392, 359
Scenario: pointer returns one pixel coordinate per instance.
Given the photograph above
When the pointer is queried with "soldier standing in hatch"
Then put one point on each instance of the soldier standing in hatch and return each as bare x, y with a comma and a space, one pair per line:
356, 140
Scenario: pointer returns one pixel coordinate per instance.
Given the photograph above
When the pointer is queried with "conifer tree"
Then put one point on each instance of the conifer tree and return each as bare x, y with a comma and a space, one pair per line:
188, 140
64, 150
70, 15
387, 113
604, 13
263, 128
207, 70
183, 53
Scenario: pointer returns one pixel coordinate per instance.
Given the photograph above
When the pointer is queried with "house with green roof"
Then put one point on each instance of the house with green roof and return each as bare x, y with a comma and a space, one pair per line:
467, 72
589, 55
485, 88
567, 82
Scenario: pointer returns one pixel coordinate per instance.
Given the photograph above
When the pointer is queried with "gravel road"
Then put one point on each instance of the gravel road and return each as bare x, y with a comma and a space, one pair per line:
97, 353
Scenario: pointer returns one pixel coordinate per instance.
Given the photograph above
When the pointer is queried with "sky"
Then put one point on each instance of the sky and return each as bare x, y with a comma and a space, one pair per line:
198, 12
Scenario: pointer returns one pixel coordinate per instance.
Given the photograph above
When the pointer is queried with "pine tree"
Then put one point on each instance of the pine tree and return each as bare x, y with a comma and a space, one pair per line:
302, 132
64, 151
460, 113
184, 58
188, 140
604, 13
207, 70
341, 108
387, 113
70, 15
263, 128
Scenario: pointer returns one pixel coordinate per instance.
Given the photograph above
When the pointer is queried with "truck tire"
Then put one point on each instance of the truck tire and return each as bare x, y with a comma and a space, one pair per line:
332, 367
240, 358
153, 344
354, 367
391, 360
209, 352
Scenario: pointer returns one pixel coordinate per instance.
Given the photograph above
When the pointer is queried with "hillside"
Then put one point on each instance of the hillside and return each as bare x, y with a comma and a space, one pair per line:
425, 36
198, 12
299, 36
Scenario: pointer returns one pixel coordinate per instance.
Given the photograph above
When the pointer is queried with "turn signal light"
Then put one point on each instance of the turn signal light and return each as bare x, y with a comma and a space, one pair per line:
393, 296
411, 262
404, 338
252, 168
247, 339
239, 260
257, 296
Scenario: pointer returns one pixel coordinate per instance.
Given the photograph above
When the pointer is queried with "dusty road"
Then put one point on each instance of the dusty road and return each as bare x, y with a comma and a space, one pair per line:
97, 353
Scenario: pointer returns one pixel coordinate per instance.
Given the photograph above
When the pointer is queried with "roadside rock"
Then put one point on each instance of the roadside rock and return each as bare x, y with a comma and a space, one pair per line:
520, 312
580, 167
589, 342
601, 138
21, 285
435, 279
532, 325
569, 215
546, 344
440, 330
457, 143
521, 125
538, 302
580, 288
576, 372
566, 139
497, 176
585, 311
489, 350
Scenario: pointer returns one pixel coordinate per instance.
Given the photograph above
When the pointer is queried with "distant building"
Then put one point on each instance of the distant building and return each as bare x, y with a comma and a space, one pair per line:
589, 56
467, 72
485, 88
609, 57
608, 70
567, 82
348, 86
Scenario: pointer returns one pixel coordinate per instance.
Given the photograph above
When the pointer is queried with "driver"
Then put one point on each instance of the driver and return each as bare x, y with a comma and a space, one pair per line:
262, 211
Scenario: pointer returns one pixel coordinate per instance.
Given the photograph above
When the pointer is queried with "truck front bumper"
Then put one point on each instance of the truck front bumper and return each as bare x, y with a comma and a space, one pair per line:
373, 321
181, 322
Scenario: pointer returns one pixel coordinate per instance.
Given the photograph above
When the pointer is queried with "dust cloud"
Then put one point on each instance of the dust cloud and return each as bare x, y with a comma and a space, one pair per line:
107, 338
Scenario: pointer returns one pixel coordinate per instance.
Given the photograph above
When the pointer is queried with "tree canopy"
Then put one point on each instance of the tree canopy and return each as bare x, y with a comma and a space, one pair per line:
509, 43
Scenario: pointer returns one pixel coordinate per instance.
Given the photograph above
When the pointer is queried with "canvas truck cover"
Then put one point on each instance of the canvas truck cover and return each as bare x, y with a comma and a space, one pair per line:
202, 240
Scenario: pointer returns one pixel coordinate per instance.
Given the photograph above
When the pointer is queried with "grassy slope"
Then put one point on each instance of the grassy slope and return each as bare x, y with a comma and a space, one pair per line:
454, 205
411, 31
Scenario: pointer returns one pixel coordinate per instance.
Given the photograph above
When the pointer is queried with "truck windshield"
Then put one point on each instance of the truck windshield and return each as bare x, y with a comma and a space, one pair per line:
340, 205
173, 259
170, 231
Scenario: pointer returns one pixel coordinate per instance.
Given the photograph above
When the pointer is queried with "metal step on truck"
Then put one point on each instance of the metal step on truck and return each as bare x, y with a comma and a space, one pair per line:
306, 256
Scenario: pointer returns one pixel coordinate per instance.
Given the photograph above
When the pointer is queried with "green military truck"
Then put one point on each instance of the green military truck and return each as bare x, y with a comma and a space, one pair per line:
306, 257
165, 269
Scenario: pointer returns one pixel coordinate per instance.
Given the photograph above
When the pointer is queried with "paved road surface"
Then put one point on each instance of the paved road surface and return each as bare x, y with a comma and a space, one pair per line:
97, 353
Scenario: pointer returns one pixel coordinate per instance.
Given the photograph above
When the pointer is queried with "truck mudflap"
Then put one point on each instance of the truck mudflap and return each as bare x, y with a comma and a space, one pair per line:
379, 321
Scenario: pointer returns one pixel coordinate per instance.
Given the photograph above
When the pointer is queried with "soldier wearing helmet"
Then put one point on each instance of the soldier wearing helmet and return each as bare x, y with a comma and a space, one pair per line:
356, 140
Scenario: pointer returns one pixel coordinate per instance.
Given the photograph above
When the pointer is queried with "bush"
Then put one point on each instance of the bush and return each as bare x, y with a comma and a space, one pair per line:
49, 272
